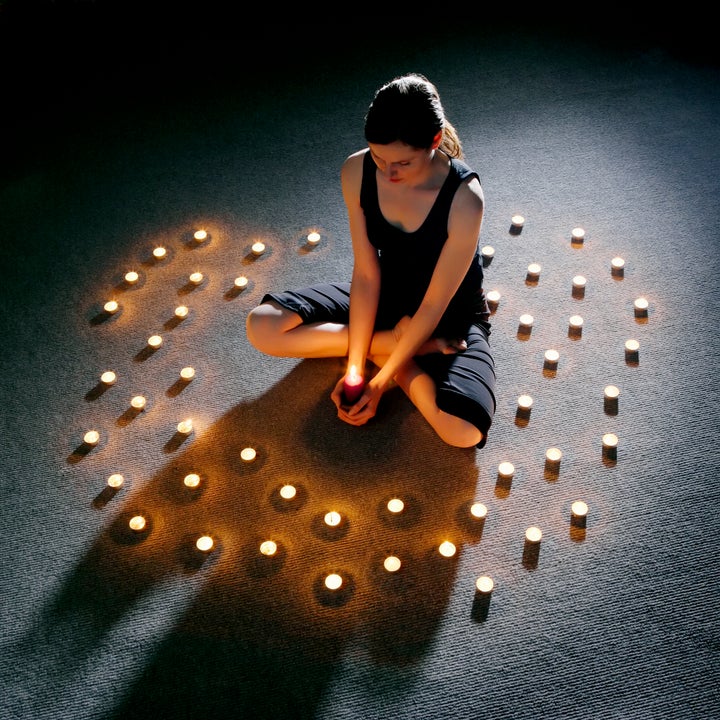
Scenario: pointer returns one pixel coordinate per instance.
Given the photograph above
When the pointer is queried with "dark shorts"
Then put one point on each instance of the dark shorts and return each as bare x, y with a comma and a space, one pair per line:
465, 381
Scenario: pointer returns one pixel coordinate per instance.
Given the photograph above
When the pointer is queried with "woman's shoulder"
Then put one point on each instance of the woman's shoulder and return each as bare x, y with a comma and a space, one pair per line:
352, 168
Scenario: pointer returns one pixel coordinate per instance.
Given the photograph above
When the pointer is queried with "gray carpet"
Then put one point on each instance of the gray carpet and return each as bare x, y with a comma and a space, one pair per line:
114, 151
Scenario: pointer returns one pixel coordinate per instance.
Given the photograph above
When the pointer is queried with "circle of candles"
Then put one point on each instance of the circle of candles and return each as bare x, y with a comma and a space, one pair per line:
159, 253
91, 437
155, 341
332, 518
131, 277
488, 251
248, 454
493, 298
204, 543
506, 469
579, 282
392, 563
288, 492
115, 480
258, 248
641, 307
191, 480
195, 278
185, 427
526, 320
446, 548
313, 238
617, 265
200, 235
137, 523
484, 585
578, 234
610, 441
517, 221
533, 534
108, 378
396, 505
525, 402
478, 511
333, 581
111, 306
551, 358
579, 510
611, 392
268, 547
241, 282
187, 373
181, 311
138, 402
533, 270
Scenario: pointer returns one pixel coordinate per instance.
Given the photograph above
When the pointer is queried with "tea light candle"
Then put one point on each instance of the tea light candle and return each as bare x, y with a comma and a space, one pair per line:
617, 266
632, 350
187, 373
241, 282
488, 252
288, 492
533, 535
641, 307
517, 221
526, 321
204, 543
610, 441
551, 359
185, 427
200, 236
313, 238
248, 454
478, 511
484, 585
533, 271
268, 548
553, 456
191, 480
333, 581
159, 253
576, 322
392, 563
111, 307
131, 277
493, 299
108, 378
91, 437
447, 549
195, 278
137, 523
525, 402
115, 480
155, 341
138, 402
333, 518
611, 392
578, 235
395, 506
258, 248
578, 513
506, 470
579, 282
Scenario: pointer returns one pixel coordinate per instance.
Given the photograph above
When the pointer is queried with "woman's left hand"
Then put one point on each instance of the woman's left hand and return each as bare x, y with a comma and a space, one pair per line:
363, 409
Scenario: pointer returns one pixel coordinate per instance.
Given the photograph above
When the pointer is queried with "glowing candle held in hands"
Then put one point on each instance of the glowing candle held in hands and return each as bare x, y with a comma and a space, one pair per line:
353, 386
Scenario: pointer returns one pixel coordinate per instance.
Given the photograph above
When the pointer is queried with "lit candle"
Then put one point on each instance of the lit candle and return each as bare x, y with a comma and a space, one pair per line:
578, 513
551, 359
617, 266
195, 278
268, 548
187, 373
611, 392
525, 402
576, 323
159, 253
258, 248
241, 282
610, 441
488, 252
138, 402
137, 523
392, 563
478, 511
533, 535
333, 581
484, 585
533, 271
506, 470
191, 480
632, 350
155, 341
517, 221
641, 307
493, 299
288, 492
578, 235
185, 427
333, 518
526, 321
395, 505
204, 543
115, 480
447, 549
200, 235
111, 307
313, 238
248, 454
579, 282
353, 386
91, 437
131, 277
181, 312
553, 455
108, 378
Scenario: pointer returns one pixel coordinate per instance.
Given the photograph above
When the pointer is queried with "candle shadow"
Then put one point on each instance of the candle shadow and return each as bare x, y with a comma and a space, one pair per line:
128, 416
174, 321
98, 391
530, 555
80, 452
103, 316
234, 291
578, 293
522, 416
177, 387
480, 606
503, 485
524, 332
104, 497
611, 406
146, 353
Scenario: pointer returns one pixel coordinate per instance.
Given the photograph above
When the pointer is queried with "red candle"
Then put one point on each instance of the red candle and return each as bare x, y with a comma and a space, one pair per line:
353, 386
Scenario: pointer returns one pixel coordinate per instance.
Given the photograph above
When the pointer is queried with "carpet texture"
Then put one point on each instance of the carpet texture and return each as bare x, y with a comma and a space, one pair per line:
114, 151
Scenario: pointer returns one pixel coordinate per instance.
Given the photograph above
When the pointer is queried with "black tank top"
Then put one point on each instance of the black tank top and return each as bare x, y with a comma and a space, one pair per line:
408, 259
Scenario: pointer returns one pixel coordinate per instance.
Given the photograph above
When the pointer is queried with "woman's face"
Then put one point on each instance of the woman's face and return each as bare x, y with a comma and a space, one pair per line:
400, 163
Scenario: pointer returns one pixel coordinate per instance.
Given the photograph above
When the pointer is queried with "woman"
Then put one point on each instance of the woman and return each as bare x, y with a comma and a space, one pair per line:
415, 307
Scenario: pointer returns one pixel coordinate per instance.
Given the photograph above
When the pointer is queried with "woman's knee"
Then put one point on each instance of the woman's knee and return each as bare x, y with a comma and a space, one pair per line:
266, 323
458, 432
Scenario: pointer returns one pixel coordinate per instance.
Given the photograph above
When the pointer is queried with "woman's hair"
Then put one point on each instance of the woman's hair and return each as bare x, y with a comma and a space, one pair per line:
408, 109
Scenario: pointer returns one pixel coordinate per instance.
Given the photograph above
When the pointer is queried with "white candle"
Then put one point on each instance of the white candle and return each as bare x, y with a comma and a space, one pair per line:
617, 266
478, 511
187, 373
248, 454
488, 251
138, 402
526, 320
632, 350
517, 221
131, 277
447, 549
159, 253
195, 278
533, 270
333, 581
493, 299
268, 548
533, 534
111, 307
185, 427
396, 505
525, 402
155, 341
191, 480
137, 523
181, 312
553, 455
115, 480
392, 563
91, 437
506, 470
484, 585
641, 307
611, 392
333, 518
610, 441
551, 358
313, 238
204, 543
200, 235
288, 492
108, 378
578, 234
258, 248
579, 510
576, 322
241, 282
579, 282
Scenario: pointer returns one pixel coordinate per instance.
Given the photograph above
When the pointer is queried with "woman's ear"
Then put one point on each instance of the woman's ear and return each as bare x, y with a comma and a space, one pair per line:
436, 140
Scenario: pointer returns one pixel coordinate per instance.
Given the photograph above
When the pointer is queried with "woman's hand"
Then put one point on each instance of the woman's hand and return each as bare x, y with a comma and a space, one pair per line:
363, 409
